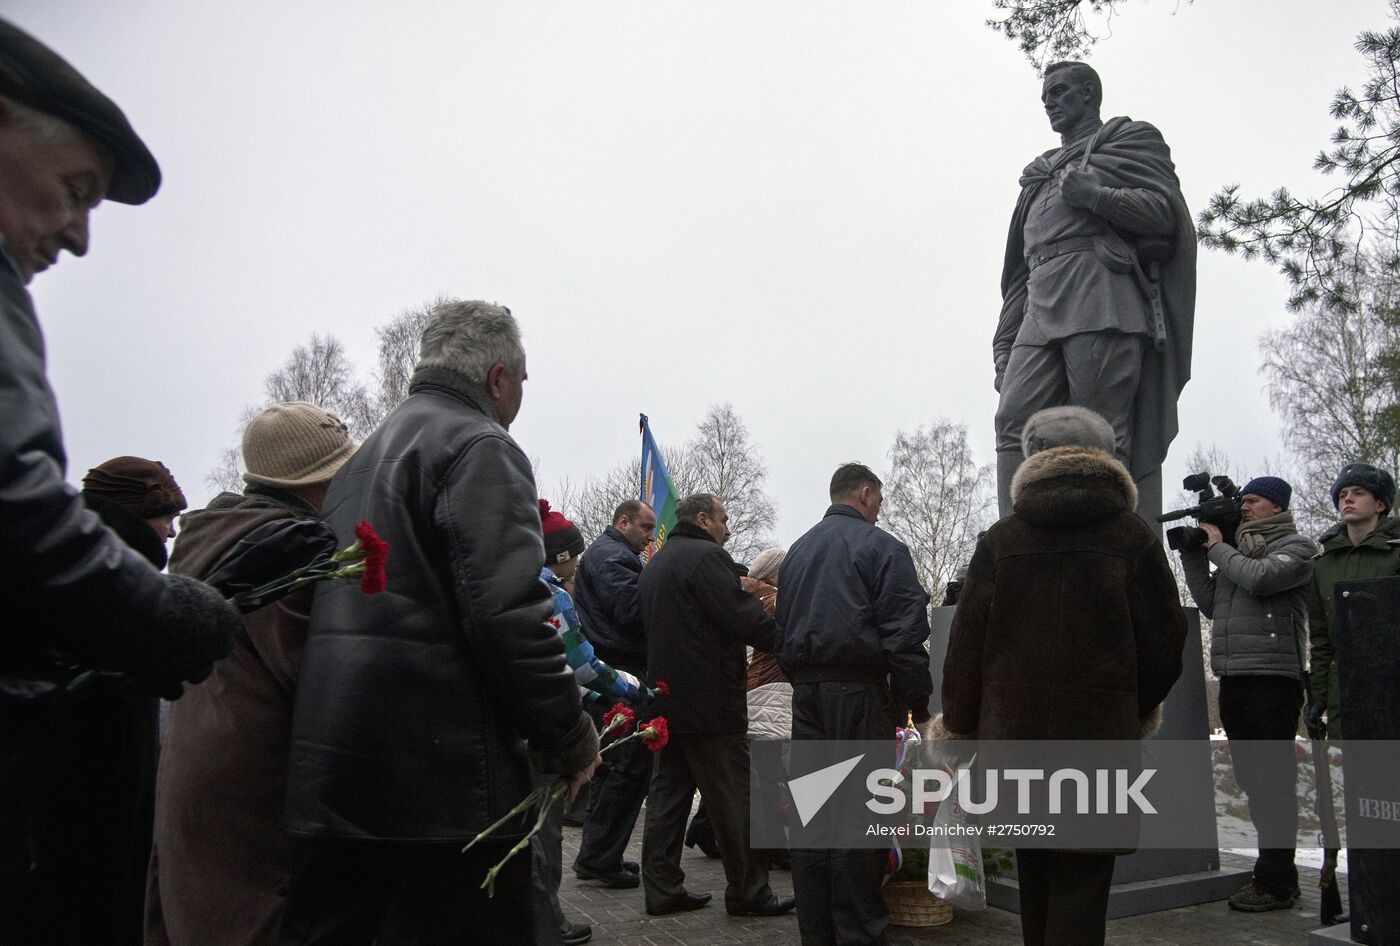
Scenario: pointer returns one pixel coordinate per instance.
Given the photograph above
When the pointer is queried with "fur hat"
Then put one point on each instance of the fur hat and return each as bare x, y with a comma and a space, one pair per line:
1272, 488
143, 486
293, 445
1067, 426
562, 539
1373, 480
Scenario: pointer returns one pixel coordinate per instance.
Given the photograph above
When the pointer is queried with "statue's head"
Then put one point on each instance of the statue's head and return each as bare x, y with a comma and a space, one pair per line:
1071, 93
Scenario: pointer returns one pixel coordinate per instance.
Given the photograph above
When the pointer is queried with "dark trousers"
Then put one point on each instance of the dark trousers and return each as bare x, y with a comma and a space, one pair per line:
838, 891
547, 870
718, 765
613, 810
77, 803
1260, 716
358, 893
1064, 897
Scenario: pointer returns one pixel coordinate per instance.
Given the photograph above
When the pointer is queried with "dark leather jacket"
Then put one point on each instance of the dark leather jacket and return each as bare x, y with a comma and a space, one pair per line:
605, 594
412, 704
67, 581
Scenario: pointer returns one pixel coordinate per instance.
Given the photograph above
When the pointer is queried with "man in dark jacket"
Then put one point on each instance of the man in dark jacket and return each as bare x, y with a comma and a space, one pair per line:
1257, 600
64, 146
605, 594
76, 593
852, 622
697, 620
1068, 627
413, 707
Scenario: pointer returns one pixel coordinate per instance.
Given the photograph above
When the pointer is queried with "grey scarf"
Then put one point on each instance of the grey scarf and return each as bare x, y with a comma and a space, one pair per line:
1254, 537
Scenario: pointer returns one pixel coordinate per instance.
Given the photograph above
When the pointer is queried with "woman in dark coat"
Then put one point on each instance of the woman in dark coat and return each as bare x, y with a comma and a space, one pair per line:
90, 767
222, 860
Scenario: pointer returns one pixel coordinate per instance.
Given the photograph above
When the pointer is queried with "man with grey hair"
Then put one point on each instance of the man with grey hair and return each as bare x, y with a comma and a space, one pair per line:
697, 619
852, 621
415, 708
1098, 285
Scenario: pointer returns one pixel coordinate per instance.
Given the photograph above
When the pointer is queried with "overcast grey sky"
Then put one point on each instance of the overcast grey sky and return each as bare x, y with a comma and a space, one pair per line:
799, 207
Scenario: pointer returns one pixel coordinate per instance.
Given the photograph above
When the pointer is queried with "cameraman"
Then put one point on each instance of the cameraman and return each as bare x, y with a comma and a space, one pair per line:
1257, 601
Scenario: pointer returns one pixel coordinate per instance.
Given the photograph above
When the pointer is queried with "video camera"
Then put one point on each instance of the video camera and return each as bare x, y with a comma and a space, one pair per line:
1221, 511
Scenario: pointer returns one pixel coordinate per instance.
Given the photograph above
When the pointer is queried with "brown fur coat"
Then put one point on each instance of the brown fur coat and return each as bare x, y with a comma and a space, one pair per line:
1069, 625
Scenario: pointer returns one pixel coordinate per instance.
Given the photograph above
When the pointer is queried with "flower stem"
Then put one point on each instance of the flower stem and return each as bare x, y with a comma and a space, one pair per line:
553, 792
529, 800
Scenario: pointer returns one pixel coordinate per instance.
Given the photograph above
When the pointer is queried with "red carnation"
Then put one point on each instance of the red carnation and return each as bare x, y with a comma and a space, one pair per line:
376, 554
619, 712
655, 734
662, 688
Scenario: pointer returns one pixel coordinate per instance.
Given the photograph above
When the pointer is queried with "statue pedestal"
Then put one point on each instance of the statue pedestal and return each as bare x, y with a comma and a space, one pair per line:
1157, 879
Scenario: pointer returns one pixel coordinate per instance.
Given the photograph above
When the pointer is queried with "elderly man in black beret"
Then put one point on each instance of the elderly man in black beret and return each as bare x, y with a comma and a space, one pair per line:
74, 593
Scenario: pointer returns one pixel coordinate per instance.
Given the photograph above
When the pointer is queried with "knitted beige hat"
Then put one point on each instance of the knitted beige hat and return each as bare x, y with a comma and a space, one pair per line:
294, 444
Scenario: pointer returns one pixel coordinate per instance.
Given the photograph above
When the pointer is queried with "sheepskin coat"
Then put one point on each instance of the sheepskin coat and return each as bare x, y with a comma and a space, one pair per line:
1069, 625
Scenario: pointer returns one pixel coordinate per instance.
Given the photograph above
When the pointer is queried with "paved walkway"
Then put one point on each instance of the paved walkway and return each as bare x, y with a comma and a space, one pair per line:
618, 916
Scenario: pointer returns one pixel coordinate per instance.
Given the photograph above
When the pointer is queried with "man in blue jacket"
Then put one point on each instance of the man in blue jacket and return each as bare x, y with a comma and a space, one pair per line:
605, 594
852, 622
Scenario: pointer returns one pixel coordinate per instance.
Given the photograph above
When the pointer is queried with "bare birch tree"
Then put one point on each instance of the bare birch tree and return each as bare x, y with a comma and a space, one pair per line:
319, 373
937, 500
399, 340
722, 459
591, 504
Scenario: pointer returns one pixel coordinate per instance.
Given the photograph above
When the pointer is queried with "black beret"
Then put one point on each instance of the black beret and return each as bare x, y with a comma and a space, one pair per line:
35, 75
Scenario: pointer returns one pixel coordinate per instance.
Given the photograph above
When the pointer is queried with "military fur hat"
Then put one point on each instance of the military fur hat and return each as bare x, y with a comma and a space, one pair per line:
1373, 480
1067, 426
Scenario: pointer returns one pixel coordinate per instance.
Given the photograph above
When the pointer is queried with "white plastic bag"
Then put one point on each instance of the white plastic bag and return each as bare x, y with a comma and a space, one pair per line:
955, 871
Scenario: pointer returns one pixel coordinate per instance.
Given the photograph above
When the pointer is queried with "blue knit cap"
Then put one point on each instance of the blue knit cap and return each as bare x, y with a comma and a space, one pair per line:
1272, 488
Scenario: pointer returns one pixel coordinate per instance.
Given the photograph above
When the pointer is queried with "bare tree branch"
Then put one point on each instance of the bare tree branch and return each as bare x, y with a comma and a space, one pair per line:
937, 500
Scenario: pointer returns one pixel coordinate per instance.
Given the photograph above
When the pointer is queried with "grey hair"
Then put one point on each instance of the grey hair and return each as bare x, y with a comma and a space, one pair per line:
470, 337
766, 563
690, 508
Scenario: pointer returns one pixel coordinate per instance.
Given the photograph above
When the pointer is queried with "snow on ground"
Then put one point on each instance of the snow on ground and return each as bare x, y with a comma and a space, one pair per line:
1234, 831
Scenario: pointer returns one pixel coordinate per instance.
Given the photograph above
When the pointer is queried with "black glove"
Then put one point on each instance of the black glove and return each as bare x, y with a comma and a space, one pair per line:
1312, 719
193, 629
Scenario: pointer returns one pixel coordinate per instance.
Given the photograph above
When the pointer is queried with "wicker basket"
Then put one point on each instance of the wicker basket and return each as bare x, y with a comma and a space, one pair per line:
911, 904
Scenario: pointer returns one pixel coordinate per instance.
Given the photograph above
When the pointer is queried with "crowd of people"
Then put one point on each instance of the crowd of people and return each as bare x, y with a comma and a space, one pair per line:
325, 756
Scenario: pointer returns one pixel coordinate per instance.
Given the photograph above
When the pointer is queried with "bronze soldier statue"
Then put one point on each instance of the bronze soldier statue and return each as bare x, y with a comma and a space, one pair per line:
1098, 286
